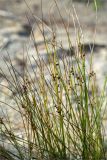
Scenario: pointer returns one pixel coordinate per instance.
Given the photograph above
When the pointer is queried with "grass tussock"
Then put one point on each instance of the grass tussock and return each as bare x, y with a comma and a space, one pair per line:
61, 114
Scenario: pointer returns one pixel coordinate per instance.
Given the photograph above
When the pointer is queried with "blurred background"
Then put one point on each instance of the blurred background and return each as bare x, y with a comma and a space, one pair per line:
18, 17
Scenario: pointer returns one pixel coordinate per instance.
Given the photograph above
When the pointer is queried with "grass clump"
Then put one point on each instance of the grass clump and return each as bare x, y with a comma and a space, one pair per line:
61, 114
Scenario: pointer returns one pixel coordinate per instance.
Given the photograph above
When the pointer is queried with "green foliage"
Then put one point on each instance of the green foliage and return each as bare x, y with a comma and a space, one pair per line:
97, 4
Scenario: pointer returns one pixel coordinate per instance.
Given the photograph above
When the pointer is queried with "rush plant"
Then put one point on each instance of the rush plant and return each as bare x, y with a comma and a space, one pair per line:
61, 114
